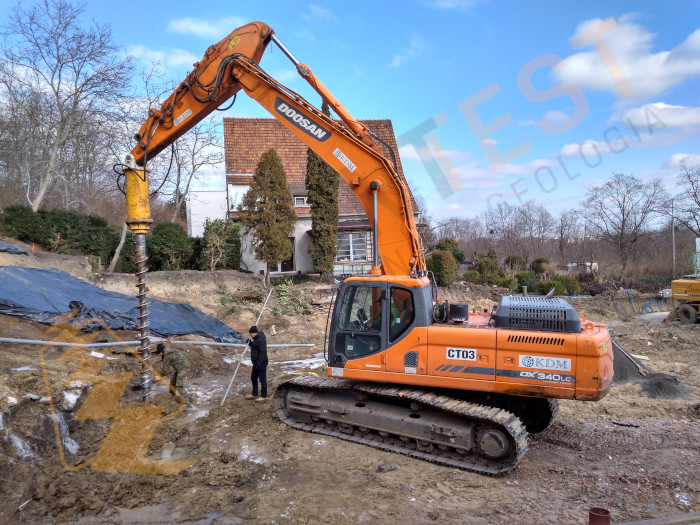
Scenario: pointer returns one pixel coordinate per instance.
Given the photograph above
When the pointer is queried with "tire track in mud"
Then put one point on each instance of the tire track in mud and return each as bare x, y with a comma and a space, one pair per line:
644, 434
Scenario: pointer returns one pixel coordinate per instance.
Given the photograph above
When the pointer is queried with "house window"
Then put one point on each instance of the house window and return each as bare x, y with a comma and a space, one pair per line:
300, 200
351, 247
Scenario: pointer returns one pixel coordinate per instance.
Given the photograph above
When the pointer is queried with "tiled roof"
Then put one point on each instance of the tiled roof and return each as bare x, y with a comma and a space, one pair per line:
246, 139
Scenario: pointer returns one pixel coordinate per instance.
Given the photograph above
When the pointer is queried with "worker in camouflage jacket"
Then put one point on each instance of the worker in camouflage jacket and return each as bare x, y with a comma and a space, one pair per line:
176, 366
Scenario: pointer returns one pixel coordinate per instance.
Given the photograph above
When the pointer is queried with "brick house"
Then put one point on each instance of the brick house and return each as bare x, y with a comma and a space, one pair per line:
245, 140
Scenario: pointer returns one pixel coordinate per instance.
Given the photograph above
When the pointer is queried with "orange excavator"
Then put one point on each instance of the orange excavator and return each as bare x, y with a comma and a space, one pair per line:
406, 373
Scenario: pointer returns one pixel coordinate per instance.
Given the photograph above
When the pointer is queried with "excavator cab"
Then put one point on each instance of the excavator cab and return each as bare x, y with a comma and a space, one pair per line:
372, 315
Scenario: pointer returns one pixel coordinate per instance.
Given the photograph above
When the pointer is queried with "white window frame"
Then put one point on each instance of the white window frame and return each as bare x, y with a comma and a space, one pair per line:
352, 246
304, 198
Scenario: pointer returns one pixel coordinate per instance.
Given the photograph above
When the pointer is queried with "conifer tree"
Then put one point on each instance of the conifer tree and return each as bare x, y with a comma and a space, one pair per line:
322, 187
266, 209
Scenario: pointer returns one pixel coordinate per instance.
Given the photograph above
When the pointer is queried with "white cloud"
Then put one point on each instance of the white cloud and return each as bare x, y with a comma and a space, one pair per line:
690, 159
527, 123
660, 114
489, 142
590, 148
647, 73
418, 47
318, 13
556, 115
203, 29
168, 58
451, 4
617, 142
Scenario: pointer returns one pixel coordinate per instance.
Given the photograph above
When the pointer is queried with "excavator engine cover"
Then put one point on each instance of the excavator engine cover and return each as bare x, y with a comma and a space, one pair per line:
536, 313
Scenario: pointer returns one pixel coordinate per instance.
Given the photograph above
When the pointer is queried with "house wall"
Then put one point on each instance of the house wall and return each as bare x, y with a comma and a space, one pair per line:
248, 260
302, 239
302, 258
203, 205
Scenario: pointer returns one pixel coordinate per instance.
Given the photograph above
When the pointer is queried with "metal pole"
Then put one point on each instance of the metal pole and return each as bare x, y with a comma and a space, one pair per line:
39, 342
285, 50
244, 350
374, 186
673, 237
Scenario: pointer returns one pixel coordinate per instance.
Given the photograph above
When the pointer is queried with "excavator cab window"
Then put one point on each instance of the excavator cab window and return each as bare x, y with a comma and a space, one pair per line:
402, 312
359, 323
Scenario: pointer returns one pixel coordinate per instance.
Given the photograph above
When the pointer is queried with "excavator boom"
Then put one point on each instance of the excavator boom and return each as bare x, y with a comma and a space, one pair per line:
350, 148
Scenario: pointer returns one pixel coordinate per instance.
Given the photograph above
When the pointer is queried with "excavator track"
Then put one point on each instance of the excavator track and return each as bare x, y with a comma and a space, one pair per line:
414, 422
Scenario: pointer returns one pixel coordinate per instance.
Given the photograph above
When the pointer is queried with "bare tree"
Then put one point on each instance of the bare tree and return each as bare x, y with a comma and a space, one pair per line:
469, 232
687, 204
56, 70
198, 150
503, 225
537, 226
621, 212
568, 231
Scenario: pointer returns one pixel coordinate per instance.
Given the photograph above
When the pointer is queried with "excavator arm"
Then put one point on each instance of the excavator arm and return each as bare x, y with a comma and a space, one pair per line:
348, 146
351, 149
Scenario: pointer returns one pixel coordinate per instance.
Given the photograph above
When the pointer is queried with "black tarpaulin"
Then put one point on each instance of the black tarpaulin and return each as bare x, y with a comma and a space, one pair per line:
43, 295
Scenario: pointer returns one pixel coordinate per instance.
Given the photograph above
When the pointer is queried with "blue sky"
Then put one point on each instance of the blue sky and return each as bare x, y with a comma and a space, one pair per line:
523, 100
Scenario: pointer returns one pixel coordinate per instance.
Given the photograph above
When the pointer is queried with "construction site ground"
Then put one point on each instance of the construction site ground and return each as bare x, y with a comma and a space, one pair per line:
635, 453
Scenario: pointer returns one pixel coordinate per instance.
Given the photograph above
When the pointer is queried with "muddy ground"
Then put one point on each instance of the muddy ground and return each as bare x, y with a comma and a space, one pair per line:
635, 453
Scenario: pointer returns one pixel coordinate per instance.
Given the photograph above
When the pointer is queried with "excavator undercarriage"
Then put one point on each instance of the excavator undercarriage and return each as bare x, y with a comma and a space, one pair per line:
411, 421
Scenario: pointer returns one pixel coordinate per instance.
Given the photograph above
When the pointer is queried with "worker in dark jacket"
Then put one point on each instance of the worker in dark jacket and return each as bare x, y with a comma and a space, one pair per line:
176, 366
258, 356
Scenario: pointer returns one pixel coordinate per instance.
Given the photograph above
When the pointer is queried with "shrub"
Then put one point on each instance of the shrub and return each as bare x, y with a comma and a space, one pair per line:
170, 247
450, 245
20, 222
538, 265
232, 255
571, 285
126, 257
290, 301
193, 262
221, 245
443, 265
62, 231
515, 262
526, 279
472, 276
509, 282
489, 270
545, 286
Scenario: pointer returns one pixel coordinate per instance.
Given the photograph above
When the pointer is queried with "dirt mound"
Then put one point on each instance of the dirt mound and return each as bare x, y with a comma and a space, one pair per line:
645, 286
664, 386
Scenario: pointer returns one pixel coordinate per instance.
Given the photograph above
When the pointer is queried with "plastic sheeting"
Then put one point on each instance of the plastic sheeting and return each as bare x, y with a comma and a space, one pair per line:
43, 295
4, 247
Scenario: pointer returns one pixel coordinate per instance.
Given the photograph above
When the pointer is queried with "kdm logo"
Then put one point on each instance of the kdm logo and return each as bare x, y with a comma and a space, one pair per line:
544, 363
